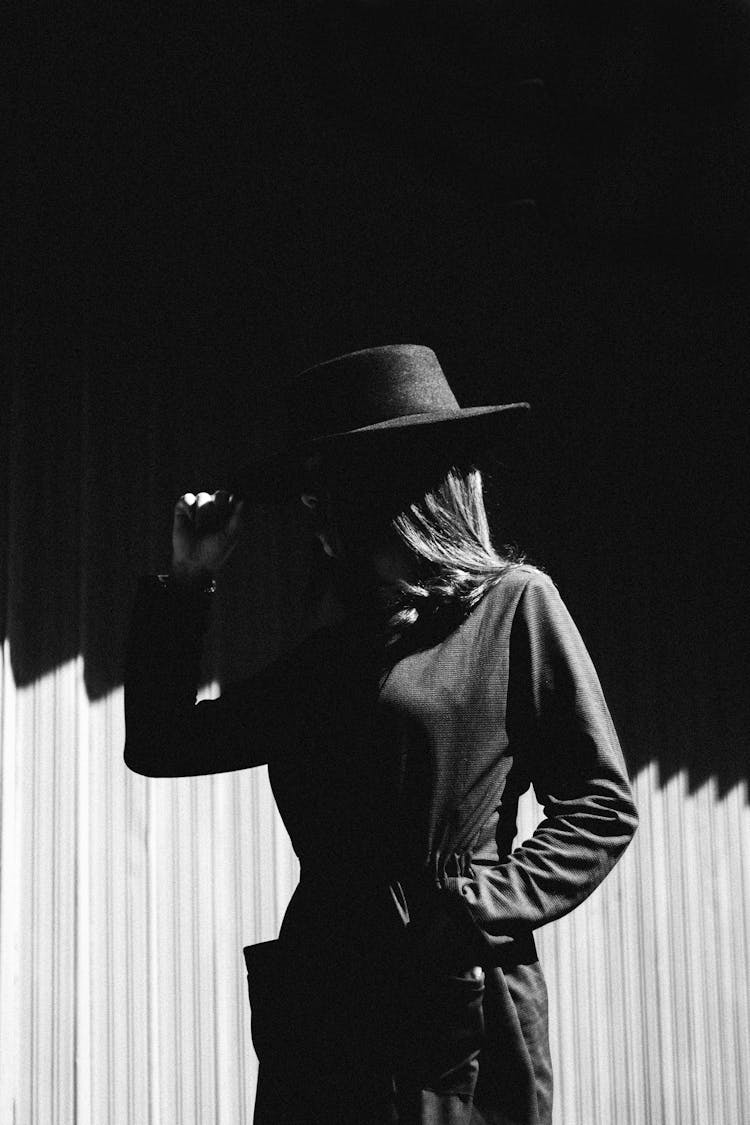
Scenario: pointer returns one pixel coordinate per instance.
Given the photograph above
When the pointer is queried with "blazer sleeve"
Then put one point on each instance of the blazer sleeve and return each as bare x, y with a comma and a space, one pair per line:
168, 734
564, 737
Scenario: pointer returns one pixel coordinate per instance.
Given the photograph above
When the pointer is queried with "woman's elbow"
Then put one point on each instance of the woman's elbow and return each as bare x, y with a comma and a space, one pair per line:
145, 764
624, 825
617, 827
629, 816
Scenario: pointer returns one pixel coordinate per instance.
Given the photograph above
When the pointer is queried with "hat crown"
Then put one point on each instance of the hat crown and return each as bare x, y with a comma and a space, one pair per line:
349, 402
368, 387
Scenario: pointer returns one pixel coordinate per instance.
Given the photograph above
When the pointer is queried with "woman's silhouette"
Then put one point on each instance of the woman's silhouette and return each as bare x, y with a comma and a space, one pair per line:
405, 985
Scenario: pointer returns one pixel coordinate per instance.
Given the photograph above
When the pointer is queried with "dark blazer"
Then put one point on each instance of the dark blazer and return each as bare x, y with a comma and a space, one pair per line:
398, 780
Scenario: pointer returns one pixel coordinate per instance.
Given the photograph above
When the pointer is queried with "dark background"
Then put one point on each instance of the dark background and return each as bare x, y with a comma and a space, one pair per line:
555, 198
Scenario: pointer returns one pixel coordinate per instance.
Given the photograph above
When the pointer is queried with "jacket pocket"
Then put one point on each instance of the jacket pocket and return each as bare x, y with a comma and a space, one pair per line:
267, 986
444, 1031
306, 1008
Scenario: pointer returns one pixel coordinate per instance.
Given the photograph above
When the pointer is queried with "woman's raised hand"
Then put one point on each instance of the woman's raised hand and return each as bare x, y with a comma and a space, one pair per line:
204, 534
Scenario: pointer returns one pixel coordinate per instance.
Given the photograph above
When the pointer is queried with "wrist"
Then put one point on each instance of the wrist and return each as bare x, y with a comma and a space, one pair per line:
189, 580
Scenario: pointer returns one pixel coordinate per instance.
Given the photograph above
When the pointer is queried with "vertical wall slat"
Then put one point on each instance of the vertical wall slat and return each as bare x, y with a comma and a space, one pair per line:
12, 919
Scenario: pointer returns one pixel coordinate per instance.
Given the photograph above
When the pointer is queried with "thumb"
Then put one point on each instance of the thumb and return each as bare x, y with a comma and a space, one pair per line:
234, 520
183, 514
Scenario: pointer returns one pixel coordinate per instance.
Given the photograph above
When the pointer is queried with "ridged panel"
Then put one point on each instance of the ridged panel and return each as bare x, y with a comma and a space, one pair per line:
125, 903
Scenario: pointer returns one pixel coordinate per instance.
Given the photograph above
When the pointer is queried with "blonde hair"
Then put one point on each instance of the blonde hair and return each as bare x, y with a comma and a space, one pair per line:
442, 528
447, 534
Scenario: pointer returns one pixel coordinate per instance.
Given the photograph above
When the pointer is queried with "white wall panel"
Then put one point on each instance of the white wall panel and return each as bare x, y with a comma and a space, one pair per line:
125, 903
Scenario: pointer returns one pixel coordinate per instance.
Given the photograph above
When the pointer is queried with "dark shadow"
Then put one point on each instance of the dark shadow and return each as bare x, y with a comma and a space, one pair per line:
204, 211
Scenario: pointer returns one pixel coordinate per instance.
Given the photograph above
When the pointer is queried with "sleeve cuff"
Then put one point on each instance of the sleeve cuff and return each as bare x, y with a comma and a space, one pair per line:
167, 618
169, 582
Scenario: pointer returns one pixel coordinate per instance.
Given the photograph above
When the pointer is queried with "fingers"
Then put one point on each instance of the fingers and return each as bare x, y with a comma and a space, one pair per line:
208, 511
183, 511
205, 531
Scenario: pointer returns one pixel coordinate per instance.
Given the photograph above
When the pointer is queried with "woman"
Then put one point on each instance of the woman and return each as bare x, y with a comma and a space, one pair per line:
405, 985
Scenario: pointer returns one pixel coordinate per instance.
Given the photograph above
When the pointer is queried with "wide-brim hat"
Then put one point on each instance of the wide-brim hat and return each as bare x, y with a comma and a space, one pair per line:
368, 404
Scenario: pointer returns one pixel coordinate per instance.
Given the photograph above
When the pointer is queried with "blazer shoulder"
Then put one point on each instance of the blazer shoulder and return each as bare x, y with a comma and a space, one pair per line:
494, 615
522, 575
517, 579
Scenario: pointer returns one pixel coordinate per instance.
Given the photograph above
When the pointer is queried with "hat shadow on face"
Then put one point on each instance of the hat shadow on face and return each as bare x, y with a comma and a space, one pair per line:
385, 475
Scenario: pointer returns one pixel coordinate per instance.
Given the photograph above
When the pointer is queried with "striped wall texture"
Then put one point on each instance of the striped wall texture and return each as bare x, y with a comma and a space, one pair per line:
125, 903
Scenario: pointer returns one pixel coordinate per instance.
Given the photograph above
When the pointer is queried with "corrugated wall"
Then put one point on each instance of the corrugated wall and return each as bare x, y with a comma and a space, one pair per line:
125, 903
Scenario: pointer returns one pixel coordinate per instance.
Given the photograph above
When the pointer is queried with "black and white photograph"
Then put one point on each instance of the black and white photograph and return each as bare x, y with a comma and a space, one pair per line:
373, 682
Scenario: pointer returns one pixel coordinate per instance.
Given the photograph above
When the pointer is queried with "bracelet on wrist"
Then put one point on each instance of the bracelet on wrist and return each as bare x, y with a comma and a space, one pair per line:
203, 584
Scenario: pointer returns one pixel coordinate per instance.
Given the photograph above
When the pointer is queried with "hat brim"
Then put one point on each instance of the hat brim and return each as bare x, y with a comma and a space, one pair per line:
277, 478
